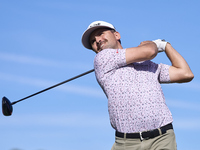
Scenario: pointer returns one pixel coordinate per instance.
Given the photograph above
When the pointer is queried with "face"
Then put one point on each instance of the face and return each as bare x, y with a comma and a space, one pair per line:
104, 38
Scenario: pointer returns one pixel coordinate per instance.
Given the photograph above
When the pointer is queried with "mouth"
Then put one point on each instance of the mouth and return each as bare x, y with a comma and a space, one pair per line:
101, 45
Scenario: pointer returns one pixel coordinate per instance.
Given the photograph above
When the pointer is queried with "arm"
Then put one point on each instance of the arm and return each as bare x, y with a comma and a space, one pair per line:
147, 50
180, 71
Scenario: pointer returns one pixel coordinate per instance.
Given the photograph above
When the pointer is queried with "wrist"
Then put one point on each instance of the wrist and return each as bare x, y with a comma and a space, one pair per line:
168, 45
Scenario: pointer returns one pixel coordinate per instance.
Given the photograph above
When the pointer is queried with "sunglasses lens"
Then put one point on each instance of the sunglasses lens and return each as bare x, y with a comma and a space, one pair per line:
6, 107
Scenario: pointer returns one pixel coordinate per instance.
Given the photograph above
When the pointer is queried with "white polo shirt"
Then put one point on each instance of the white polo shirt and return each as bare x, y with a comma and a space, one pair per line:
135, 99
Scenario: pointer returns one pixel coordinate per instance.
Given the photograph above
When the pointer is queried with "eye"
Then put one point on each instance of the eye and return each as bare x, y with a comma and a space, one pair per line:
100, 33
92, 41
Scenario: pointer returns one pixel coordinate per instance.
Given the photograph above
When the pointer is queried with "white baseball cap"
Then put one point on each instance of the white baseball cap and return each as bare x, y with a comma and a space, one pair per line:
93, 26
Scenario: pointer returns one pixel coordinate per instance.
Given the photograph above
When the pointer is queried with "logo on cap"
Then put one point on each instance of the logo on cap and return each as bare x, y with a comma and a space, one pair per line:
97, 24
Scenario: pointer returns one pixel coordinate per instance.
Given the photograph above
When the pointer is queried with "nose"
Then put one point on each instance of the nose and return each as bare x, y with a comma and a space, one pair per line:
98, 39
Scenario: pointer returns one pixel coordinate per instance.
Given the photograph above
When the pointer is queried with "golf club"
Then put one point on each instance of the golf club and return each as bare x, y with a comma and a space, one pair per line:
7, 108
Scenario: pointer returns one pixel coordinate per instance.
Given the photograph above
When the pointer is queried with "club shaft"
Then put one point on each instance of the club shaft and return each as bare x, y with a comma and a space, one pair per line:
54, 86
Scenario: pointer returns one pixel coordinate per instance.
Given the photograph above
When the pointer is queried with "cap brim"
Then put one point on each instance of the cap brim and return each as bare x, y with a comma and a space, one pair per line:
86, 36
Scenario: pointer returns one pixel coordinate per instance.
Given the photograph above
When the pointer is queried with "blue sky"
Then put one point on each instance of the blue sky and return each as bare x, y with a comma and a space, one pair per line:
40, 45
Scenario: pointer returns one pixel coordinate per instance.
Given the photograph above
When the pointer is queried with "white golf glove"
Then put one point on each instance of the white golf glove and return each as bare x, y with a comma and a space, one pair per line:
161, 44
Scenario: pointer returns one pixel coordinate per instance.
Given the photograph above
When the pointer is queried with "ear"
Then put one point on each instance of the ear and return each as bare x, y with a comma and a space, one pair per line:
117, 35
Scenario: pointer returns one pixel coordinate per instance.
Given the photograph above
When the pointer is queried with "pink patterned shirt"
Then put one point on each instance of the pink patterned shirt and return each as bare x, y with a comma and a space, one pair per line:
135, 99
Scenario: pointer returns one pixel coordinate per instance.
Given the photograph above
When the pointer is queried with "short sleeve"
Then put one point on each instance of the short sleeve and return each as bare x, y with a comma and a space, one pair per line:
109, 60
164, 73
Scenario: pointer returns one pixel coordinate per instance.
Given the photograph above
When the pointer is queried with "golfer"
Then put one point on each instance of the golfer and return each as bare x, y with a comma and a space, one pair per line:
131, 82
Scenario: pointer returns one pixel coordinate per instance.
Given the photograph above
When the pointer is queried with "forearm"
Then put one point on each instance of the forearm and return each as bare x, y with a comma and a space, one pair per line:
180, 70
147, 50
176, 59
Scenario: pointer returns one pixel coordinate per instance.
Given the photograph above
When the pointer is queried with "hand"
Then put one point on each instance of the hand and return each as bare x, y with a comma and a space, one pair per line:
161, 44
145, 42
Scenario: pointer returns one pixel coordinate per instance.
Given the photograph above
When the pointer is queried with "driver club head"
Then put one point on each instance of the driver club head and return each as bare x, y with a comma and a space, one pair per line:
7, 108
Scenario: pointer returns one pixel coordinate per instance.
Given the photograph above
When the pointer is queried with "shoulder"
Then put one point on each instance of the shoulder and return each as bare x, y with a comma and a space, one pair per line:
110, 54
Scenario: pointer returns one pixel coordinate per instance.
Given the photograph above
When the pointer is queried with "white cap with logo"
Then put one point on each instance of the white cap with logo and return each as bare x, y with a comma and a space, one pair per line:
93, 26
